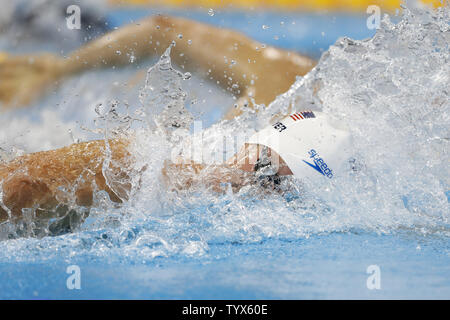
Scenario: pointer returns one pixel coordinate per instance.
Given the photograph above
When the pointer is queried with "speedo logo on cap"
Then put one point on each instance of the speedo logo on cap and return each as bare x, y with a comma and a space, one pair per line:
319, 164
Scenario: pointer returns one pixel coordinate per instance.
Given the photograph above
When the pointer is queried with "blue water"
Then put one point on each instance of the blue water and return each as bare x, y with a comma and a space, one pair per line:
330, 266
325, 263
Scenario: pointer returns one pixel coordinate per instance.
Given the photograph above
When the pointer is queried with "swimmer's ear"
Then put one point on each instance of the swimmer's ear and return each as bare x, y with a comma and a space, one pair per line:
3, 56
246, 158
283, 169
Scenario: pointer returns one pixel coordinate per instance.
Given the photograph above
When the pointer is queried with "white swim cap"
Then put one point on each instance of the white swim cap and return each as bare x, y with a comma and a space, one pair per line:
311, 146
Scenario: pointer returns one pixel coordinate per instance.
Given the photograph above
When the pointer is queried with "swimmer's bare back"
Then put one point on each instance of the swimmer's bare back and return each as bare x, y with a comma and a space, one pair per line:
234, 61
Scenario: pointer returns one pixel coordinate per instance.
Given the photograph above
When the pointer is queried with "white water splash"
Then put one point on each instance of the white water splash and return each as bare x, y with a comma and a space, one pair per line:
393, 92
163, 98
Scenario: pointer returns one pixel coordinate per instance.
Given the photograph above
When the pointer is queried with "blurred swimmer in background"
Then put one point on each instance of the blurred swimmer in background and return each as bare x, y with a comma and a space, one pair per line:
255, 70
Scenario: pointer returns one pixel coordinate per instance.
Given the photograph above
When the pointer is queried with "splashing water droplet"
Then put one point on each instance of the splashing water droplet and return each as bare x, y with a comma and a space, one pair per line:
163, 98
211, 12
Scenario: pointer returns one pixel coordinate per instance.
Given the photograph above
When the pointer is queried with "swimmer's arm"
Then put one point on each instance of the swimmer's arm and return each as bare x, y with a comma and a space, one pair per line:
237, 172
71, 175
67, 176
230, 59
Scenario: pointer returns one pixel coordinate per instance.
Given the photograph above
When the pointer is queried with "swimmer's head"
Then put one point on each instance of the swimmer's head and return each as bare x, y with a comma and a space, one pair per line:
305, 144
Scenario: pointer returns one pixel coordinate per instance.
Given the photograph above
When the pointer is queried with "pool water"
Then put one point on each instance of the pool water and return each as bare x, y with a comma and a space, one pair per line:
329, 266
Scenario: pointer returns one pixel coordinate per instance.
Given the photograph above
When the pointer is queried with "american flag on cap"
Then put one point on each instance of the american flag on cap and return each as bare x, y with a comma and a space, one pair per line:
302, 115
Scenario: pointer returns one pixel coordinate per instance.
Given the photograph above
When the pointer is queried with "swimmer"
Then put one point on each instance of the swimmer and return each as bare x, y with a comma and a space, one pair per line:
52, 183
245, 67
